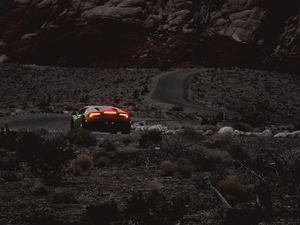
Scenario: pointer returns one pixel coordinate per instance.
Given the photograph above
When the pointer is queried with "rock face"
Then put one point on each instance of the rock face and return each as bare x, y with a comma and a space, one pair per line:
134, 33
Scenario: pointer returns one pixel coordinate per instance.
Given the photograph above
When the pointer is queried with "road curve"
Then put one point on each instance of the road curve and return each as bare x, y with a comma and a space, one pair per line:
173, 88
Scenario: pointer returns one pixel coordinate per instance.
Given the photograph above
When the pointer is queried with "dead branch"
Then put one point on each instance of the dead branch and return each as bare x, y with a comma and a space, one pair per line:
209, 184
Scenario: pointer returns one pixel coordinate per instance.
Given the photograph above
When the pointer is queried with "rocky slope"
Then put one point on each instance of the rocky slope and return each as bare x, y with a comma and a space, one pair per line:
149, 33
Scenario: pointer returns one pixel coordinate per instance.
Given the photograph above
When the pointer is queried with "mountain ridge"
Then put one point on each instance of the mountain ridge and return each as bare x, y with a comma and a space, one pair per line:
152, 33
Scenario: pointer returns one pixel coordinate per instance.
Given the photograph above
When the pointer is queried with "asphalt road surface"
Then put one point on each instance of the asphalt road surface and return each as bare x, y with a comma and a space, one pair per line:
173, 88
169, 87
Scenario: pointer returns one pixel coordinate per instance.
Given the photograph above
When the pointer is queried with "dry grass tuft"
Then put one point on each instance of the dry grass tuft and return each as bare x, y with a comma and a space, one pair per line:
127, 152
222, 140
168, 168
155, 185
82, 162
185, 167
108, 145
82, 137
233, 189
102, 161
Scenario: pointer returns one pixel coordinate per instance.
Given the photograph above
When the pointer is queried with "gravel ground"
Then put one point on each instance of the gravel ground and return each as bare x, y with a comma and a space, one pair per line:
138, 169
33, 89
258, 95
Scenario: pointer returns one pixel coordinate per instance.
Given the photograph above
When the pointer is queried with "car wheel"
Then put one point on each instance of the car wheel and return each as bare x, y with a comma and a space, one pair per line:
83, 123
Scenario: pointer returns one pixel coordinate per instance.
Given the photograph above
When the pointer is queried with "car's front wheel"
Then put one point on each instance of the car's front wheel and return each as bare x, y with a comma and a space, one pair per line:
83, 123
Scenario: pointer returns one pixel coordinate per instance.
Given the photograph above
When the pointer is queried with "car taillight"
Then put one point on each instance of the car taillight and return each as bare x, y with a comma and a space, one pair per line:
93, 114
124, 115
110, 112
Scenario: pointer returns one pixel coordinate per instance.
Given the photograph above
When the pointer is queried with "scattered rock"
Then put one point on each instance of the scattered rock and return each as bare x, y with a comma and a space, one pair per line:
226, 130
40, 189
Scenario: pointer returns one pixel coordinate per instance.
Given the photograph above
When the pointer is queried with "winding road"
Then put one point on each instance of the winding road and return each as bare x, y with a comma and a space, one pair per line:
169, 87
173, 88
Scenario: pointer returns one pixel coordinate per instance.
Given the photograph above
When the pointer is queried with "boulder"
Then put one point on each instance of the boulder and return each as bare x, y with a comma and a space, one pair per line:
226, 130
3, 58
112, 12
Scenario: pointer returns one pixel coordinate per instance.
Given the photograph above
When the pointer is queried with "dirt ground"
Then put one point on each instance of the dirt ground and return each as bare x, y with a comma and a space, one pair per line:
130, 168
261, 95
33, 89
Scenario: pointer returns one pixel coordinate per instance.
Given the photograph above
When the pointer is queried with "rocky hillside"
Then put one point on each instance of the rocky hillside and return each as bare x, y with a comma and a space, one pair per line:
151, 33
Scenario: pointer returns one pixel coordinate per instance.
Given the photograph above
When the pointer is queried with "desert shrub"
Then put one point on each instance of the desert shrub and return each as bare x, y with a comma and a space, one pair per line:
102, 161
237, 151
155, 185
190, 132
103, 214
43, 216
126, 140
222, 140
206, 127
154, 209
213, 158
40, 189
82, 137
256, 114
9, 176
7, 138
168, 168
108, 145
127, 152
63, 198
149, 138
47, 157
185, 167
82, 162
219, 141
233, 189
8, 162
44, 103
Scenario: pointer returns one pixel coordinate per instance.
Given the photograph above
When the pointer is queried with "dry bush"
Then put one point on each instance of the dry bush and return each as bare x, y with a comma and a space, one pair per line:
155, 185
102, 161
214, 158
108, 145
127, 152
47, 156
237, 152
82, 137
185, 167
126, 140
150, 138
219, 141
233, 189
40, 189
168, 168
189, 131
208, 127
154, 208
82, 162
222, 140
